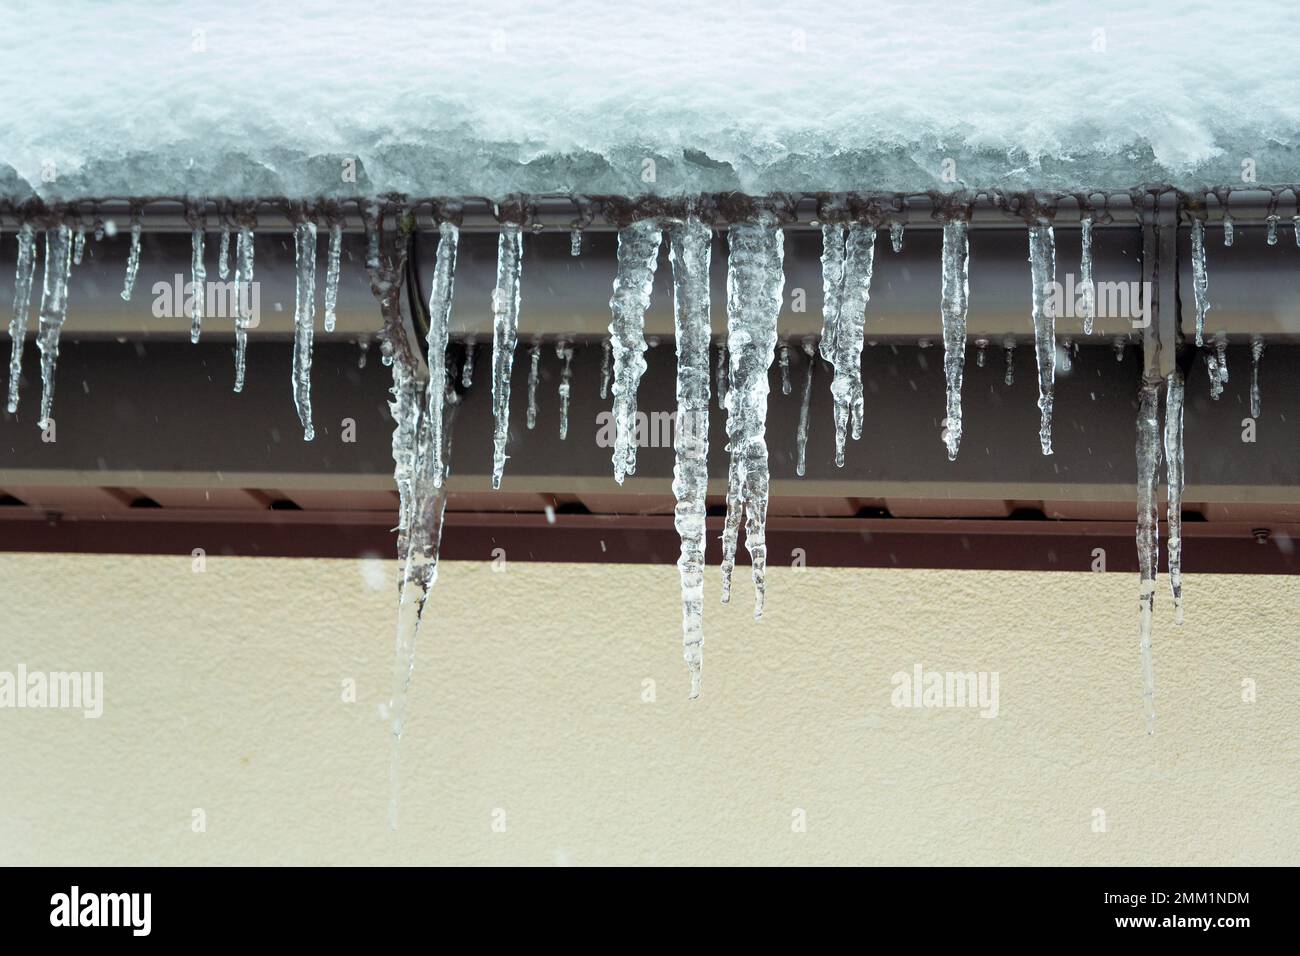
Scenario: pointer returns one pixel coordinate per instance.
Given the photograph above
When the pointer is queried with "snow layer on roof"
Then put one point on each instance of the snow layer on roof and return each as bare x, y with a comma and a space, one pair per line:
490, 98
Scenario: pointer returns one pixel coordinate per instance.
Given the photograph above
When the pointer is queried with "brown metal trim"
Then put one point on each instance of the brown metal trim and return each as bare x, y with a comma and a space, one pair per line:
957, 544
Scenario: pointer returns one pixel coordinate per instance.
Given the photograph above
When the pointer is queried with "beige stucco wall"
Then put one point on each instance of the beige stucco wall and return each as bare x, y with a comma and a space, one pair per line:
223, 692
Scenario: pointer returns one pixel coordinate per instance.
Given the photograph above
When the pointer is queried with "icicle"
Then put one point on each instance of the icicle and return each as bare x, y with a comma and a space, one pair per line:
980, 346
332, 275
99, 229
243, 297
1148, 533
79, 245
363, 344
440, 297
198, 283
1086, 286
1295, 223
722, 375
467, 370
801, 437
689, 252
1256, 350
1067, 360
846, 351
833, 250
505, 334
23, 275
1009, 346
564, 351
1042, 259
786, 388
1120, 345
304, 321
132, 260
575, 242
956, 289
896, 235
223, 258
1200, 278
421, 504
534, 368
54, 310
755, 283
638, 255
1272, 222
1174, 481
1227, 229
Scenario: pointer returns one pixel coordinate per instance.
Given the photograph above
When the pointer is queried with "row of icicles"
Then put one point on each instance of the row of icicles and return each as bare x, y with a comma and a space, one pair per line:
65, 247
755, 285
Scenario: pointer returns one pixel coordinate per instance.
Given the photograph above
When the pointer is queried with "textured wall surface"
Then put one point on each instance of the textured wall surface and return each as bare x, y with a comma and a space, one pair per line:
224, 691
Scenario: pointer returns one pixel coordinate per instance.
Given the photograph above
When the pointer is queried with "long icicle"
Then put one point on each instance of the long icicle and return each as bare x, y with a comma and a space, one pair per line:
244, 318
1174, 481
638, 255
425, 441
54, 310
534, 371
1042, 261
419, 508
1200, 277
801, 436
564, 351
956, 290
846, 352
198, 281
505, 336
689, 252
332, 274
755, 285
1086, 286
832, 286
1148, 534
23, 275
440, 297
304, 321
